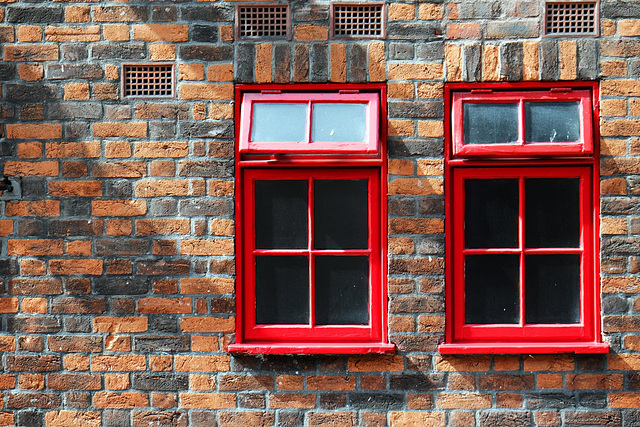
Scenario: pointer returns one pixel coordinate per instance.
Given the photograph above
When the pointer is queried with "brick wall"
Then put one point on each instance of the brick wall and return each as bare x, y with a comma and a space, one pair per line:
117, 261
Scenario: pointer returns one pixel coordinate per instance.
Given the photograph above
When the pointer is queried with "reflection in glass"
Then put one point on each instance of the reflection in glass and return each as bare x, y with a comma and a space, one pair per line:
339, 122
552, 121
491, 213
552, 212
491, 288
281, 214
341, 214
552, 288
282, 290
342, 290
486, 123
279, 122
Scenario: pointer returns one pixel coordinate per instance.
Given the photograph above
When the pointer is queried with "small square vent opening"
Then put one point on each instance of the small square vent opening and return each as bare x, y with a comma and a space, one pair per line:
148, 81
357, 20
262, 21
571, 18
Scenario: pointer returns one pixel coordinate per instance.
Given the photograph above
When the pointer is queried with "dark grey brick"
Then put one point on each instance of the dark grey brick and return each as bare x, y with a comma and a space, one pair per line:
113, 285
376, 401
162, 343
74, 71
205, 207
160, 381
206, 129
118, 51
319, 54
204, 33
206, 13
33, 15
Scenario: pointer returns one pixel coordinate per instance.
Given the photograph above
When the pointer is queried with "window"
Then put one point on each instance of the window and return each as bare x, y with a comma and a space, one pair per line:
522, 187
311, 196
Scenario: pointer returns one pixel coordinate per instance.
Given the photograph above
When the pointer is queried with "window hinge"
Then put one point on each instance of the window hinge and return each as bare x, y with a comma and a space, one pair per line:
560, 89
348, 91
277, 92
481, 90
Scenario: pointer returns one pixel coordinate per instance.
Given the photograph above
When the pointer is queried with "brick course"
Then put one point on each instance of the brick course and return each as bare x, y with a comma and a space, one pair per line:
118, 265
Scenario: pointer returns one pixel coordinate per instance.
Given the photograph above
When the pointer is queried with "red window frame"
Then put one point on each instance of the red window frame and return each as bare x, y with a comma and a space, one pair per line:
258, 161
584, 146
518, 161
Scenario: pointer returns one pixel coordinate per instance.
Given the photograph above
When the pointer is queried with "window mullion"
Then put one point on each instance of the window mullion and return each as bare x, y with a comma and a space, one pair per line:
312, 264
523, 126
309, 124
521, 236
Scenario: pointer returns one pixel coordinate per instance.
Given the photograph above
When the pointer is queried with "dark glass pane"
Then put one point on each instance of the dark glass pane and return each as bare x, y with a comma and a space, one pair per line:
552, 288
490, 123
341, 214
552, 212
282, 214
491, 213
342, 290
491, 288
552, 121
282, 290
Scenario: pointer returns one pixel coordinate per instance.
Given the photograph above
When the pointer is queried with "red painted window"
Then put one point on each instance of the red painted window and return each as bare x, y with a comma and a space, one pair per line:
522, 219
310, 198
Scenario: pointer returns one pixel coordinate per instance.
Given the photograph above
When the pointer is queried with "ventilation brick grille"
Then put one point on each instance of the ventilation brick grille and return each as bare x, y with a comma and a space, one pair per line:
353, 21
575, 18
263, 21
148, 80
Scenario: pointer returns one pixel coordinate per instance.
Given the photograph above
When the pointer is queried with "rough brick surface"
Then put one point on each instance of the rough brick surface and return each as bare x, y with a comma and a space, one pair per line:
118, 260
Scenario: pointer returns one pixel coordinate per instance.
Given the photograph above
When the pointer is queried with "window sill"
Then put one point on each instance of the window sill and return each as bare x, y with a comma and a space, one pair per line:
315, 348
525, 348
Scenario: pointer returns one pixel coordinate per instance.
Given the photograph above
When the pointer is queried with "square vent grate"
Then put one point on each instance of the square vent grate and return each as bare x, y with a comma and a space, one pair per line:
262, 21
357, 20
571, 18
148, 80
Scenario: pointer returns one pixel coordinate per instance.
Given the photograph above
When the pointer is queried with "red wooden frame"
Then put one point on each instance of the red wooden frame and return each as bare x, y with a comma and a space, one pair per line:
369, 145
584, 146
499, 162
329, 161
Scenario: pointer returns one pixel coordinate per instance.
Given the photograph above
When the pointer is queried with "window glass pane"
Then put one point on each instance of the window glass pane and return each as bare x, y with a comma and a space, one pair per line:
490, 123
341, 214
282, 290
342, 290
552, 212
339, 122
491, 288
491, 213
279, 122
552, 288
281, 214
552, 121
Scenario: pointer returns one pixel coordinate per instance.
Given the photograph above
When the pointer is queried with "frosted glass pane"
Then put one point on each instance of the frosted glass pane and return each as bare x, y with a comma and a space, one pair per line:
339, 122
490, 123
552, 121
279, 122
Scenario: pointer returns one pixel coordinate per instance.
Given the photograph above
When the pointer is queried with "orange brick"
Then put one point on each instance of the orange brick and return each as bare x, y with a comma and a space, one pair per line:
549, 381
75, 266
291, 400
201, 363
430, 11
568, 60
123, 169
464, 31
422, 418
206, 324
206, 91
147, 227
378, 363
119, 227
624, 400
400, 90
34, 131
72, 149
72, 34
264, 61
594, 381
119, 207
207, 400
462, 363
207, 344
161, 32
400, 128
164, 305
115, 149
453, 56
115, 32
310, 32
202, 382
116, 325
162, 52
289, 382
377, 62
416, 226
77, 14
110, 399
191, 72
629, 27
31, 381
214, 285
491, 63
530, 60
119, 129
162, 187
124, 362
613, 68
8, 305
32, 267
338, 52
415, 70
78, 247
401, 12
400, 167
76, 362
431, 128
220, 73
416, 186
21, 168
29, 33
463, 400
75, 188
30, 150
30, 72
206, 247
549, 363
431, 90
33, 208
